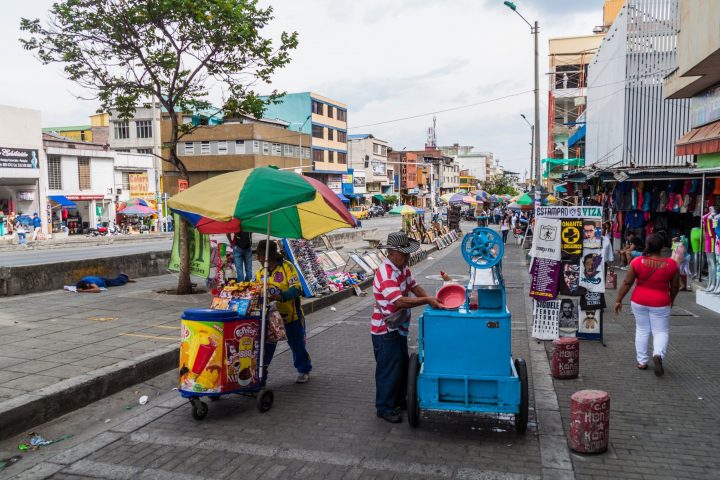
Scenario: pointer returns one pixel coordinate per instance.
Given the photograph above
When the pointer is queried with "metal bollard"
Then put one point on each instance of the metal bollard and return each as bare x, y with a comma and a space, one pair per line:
565, 358
589, 421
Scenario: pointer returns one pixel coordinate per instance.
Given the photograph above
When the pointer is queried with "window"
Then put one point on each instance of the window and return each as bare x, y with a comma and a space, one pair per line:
376, 149
342, 157
317, 107
222, 147
277, 149
287, 150
266, 148
330, 111
122, 130
122, 150
317, 131
54, 173
256, 146
84, 173
342, 115
331, 134
204, 148
341, 136
298, 152
331, 157
147, 151
143, 128
239, 146
306, 152
189, 148
318, 156
383, 151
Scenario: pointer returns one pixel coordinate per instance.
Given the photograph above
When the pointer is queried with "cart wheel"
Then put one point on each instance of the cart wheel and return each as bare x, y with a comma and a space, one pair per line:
521, 418
214, 398
265, 399
412, 397
199, 409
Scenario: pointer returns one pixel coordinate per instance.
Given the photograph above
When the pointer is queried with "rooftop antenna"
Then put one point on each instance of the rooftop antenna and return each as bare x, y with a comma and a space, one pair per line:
432, 135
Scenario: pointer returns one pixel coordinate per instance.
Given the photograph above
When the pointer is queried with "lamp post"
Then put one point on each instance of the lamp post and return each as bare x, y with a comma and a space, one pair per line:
300, 137
534, 30
532, 142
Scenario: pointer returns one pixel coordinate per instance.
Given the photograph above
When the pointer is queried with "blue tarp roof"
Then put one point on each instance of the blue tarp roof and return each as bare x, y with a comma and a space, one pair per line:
62, 200
577, 136
343, 198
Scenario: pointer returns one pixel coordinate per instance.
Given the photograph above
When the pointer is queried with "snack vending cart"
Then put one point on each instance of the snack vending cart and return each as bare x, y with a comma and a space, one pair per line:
219, 354
464, 361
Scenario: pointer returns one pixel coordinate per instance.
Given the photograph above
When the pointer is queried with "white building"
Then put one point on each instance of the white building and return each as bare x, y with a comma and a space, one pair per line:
476, 163
369, 161
22, 163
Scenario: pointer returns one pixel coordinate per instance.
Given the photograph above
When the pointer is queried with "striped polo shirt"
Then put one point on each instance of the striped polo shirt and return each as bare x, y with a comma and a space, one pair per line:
390, 284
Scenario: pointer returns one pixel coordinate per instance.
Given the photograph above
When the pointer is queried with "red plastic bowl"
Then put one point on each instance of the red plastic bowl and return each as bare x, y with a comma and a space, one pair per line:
452, 295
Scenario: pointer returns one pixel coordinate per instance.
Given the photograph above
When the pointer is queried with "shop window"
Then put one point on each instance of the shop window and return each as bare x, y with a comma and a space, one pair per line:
317, 131
341, 137
122, 130
204, 148
143, 128
342, 158
342, 115
222, 147
54, 172
318, 156
84, 173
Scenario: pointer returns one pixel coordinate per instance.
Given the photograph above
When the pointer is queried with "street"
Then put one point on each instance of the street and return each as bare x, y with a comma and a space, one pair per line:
660, 427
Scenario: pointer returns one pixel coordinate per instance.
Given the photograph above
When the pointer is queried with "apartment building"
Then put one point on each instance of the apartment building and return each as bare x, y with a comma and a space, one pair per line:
369, 155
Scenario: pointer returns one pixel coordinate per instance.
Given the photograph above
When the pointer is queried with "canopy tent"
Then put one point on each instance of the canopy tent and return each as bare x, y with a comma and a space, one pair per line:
62, 200
551, 164
343, 198
379, 197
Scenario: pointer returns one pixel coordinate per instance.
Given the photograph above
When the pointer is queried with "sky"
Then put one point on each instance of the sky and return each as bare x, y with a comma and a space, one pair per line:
385, 59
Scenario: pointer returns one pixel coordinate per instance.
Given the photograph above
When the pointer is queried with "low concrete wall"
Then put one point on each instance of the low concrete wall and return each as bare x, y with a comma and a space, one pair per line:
53, 276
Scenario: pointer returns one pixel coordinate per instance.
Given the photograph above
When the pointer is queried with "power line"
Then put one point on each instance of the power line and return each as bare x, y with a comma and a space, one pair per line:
469, 105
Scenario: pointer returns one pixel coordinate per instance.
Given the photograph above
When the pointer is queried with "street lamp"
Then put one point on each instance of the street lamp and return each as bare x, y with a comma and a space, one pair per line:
532, 141
300, 136
534, 30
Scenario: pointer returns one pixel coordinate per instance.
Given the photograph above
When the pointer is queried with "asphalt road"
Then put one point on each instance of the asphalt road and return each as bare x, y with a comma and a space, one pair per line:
41, 257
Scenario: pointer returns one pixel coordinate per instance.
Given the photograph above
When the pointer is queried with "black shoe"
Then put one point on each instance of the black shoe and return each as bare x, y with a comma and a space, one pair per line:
390, 417
659, 370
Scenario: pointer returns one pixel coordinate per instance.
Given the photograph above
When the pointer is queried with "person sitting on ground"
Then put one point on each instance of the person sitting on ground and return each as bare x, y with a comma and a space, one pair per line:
93, 284
634, 247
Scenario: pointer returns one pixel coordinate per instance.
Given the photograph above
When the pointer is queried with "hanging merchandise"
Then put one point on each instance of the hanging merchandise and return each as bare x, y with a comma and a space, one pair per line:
545, 320
312, 276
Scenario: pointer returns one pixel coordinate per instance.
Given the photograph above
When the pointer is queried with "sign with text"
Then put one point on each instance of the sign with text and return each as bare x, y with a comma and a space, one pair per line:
198, 249
18, 158
138, 184
569, 212
182, 185
546, 243
571, 239
544, 277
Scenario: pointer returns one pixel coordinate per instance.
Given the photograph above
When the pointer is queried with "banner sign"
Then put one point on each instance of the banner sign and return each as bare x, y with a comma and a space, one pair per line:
18, 158
569, 212
571, 240
544, 277
198, 249
545, 320
138, 184
546, 243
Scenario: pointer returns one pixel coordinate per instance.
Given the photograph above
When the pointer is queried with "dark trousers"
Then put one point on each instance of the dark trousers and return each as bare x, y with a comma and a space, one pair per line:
391, 369
296, 341
504, 235
121, 280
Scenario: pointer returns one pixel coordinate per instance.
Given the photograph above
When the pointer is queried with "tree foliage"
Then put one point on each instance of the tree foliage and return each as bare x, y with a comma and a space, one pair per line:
501, 185
130, 52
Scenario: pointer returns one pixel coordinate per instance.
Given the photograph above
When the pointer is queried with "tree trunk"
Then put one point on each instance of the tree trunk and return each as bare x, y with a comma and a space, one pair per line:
184, 285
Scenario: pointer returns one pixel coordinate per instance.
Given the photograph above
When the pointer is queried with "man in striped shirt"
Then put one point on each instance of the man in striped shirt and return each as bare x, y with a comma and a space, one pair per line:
390, 322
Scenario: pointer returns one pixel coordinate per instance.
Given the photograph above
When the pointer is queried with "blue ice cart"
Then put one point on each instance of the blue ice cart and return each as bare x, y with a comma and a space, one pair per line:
464, 361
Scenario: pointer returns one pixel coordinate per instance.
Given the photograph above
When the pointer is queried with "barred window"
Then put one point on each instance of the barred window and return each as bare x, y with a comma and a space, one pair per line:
122, 129
256, 146
84, 173
277, 149
54, 173
204, 148
143, 128
147, 151
222, 147
189, 148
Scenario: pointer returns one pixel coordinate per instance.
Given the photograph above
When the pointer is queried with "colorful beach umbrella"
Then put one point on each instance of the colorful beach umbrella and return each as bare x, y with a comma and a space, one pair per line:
517, 207
452, 198
469, 200
525, 199
138, 210
404, 210
301, 207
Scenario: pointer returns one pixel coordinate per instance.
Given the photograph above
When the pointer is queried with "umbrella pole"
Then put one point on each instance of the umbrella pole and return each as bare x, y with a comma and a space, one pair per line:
263, 317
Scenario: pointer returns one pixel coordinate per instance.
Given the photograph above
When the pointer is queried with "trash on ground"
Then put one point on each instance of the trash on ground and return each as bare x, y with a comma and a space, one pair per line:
6, 462
431, 258
143, 400
37, 441
333, 309
107, 420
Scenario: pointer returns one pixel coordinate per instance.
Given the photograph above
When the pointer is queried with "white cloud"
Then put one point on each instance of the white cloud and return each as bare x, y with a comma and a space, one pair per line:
385, 59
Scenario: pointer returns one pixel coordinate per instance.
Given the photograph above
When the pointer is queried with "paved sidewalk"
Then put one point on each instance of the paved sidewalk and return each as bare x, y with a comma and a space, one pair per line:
324, 429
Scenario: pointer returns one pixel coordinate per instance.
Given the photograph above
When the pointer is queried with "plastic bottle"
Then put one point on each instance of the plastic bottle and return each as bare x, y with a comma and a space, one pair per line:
445, 276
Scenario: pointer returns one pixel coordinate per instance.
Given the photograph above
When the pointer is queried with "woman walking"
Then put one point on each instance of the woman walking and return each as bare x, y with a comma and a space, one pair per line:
656, 282
505, 228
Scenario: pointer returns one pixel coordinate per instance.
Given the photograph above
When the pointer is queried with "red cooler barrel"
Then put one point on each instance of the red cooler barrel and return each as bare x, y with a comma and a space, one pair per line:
566, 358
589, 421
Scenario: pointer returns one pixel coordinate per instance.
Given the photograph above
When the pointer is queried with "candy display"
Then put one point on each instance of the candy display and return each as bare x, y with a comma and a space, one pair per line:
242, 297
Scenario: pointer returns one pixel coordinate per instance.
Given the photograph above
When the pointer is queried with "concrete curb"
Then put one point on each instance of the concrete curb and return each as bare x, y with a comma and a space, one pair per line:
32, 409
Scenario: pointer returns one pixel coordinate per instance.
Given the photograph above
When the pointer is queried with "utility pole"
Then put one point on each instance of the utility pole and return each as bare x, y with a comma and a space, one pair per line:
536, 127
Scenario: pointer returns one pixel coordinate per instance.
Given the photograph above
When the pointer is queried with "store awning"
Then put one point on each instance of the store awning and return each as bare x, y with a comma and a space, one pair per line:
62, 200
705, 139
577, 136
379, 197
343, 198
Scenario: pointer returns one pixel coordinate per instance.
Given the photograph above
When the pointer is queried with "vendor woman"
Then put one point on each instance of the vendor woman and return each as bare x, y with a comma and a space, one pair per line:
284, 288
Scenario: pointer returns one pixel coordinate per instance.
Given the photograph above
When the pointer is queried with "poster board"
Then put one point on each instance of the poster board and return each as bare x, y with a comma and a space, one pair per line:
578, 301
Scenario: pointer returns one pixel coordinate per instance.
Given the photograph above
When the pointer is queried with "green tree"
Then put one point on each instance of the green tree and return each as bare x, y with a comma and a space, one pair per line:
390, 199
501, 185
130, 52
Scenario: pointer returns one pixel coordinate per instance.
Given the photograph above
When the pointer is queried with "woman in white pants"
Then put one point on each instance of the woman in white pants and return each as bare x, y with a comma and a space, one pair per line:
656, 282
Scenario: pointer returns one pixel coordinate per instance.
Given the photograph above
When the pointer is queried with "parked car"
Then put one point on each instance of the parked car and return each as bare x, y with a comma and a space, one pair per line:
376, 211
360, 213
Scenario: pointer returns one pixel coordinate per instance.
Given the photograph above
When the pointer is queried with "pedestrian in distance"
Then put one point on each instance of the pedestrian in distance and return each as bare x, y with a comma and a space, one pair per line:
94, 284
392, 288
37, 224
2, 224
504, 228
243, 254
283, 287
656, 281
21, 234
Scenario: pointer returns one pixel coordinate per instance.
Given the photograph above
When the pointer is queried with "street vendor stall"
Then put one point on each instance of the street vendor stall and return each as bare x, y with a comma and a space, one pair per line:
261, 200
